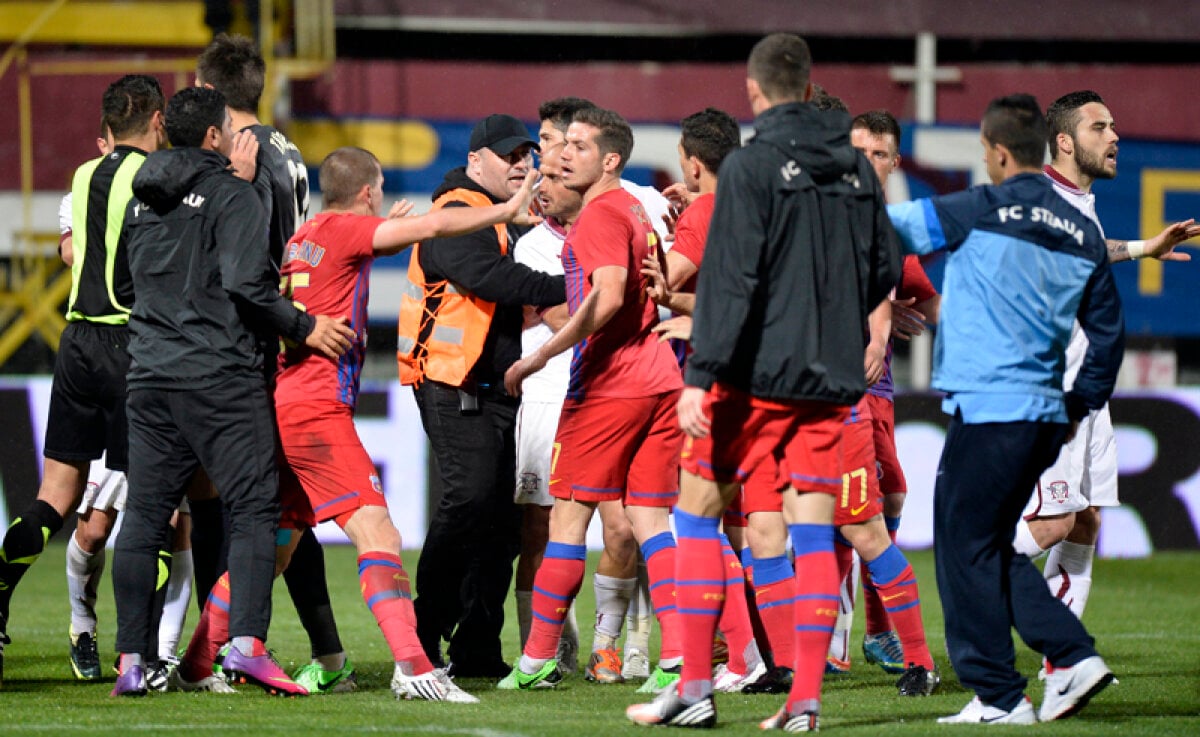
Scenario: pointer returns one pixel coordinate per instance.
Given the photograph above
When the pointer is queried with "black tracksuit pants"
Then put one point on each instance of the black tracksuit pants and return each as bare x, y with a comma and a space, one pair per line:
986, 474
466, 562
228, 429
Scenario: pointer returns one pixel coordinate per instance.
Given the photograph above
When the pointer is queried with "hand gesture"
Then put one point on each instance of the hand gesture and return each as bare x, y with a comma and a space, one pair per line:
522, 202
400, 209
244, 156
657, 288
1162, 246
677, 328
680, 196
670, 218
906, 322
331, 336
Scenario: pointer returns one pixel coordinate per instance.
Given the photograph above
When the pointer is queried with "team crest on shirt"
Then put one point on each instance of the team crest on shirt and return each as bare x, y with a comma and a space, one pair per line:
527, 486
639, 212
1059, 491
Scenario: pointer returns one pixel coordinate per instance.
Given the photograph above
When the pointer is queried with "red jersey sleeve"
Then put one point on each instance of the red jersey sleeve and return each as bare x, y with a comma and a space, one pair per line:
914, 282
691, 231
359, 235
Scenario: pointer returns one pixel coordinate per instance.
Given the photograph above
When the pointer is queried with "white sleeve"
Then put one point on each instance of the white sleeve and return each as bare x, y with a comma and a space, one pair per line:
655, 204
64, 215
539, 250
523, 250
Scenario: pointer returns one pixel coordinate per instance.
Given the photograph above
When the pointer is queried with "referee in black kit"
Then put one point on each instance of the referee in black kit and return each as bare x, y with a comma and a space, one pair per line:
87, 398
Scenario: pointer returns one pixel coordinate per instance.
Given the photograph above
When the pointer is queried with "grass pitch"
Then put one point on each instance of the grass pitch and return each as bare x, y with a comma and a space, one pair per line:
1143, 614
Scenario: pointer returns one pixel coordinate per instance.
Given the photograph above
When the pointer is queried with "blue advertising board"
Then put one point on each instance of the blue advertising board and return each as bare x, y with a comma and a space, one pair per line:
1157, 184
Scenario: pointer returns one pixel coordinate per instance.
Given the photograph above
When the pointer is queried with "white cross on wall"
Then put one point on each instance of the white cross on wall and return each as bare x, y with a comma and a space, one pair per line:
925, 77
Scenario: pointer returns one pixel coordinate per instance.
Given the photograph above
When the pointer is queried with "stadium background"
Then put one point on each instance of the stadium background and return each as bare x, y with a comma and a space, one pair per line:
408, 78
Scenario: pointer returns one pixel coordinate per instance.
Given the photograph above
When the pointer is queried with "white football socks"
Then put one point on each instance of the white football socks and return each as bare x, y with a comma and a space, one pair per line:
179, 597
639, 618
1069, 574
612, 601
84, 571
839, 644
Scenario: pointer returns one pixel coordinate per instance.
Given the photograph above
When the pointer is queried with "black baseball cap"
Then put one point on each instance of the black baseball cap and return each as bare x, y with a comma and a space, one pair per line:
501, 133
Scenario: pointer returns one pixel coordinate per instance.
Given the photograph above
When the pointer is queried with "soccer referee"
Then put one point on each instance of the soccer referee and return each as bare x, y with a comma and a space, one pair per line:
87, 398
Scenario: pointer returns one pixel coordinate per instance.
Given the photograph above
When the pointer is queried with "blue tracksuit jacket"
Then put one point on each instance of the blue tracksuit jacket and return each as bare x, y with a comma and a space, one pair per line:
1022, 265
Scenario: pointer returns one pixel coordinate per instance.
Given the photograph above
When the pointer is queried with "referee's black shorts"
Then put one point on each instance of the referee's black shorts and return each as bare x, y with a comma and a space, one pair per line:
87, 399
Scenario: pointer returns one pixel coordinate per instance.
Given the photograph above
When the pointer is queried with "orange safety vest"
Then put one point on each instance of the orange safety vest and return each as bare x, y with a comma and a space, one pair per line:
442, 326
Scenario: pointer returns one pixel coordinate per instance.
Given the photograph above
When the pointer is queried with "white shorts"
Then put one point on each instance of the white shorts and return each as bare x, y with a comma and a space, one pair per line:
1085, 473
537, 423
106, 489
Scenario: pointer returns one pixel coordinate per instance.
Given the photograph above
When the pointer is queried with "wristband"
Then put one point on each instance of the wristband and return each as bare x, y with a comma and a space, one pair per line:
1136, 248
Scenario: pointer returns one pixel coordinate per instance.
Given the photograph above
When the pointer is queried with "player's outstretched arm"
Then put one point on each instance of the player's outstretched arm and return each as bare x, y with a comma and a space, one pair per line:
933, 224
601, 304
1161, 246
400, 209
396, 234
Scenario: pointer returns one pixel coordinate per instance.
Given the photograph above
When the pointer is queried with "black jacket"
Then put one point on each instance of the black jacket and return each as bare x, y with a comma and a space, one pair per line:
281, 180
206, 290
799, 251
475, 263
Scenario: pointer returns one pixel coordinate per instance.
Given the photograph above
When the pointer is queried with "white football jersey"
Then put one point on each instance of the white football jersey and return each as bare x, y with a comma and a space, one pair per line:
541, 250
1085, 202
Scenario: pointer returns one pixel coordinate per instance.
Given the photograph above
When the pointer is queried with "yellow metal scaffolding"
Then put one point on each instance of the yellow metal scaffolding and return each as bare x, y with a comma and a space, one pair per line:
33, 280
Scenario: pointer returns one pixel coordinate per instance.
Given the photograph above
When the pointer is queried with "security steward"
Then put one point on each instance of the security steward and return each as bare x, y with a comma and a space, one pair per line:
460, 329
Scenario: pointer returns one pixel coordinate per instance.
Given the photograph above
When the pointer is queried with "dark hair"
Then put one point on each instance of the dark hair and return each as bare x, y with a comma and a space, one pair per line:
1063, 114
1016, 122
878, 123
191, 112
822, 100
344, 172
615, 134
710, 135
233, 65
561, 110
781, 64
129, 104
